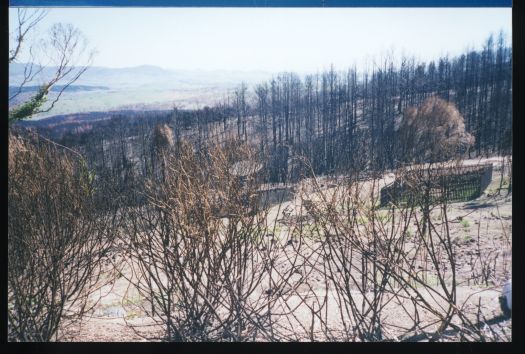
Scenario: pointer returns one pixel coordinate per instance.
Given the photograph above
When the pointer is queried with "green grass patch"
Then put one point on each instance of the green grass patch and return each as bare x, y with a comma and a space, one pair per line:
310, 231
467, 238
362, 220
383, 216
131, 315
464, 222
132, 300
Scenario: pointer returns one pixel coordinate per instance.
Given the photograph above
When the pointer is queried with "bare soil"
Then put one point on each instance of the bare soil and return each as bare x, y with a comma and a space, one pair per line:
481, 230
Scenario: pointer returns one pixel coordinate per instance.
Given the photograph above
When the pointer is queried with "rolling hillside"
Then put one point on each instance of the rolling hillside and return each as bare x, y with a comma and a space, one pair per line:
141, 87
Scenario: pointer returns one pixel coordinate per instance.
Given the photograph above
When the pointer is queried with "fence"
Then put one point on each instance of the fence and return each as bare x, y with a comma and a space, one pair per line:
453, 184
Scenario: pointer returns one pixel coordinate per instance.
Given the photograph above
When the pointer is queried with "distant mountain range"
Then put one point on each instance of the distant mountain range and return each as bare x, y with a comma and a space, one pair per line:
148, 76
137, 88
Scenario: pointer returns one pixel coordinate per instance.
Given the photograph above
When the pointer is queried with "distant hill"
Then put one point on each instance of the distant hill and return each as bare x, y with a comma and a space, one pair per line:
137, 88
147, 76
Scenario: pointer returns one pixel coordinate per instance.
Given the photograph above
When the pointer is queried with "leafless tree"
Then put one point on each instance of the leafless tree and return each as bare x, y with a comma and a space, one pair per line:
65, 49
27, 21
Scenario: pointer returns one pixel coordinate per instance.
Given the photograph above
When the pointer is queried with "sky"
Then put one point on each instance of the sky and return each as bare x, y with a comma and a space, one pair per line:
273, 40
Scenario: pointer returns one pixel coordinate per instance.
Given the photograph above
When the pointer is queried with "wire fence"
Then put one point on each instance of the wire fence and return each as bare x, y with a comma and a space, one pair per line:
451, 184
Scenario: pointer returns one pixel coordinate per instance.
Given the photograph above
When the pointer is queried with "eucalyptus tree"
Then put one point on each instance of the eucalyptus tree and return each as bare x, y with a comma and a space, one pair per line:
64, 49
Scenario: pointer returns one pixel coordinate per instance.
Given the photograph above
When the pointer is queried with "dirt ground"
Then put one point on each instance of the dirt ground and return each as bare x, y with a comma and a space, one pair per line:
481, 230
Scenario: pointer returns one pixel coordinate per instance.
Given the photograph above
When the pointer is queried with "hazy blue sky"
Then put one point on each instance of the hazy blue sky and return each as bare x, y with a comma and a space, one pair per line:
275, 39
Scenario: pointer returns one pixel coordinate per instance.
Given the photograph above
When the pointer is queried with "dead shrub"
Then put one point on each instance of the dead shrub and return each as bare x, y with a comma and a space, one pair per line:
199, 249
57, 242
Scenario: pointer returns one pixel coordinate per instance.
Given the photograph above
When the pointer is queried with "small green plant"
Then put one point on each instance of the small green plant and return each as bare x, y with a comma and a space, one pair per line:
276, 230
311, 231
464, 223
467, 238
267, 231
133, 300
131, 315
362, 220
431, 279
383, 217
